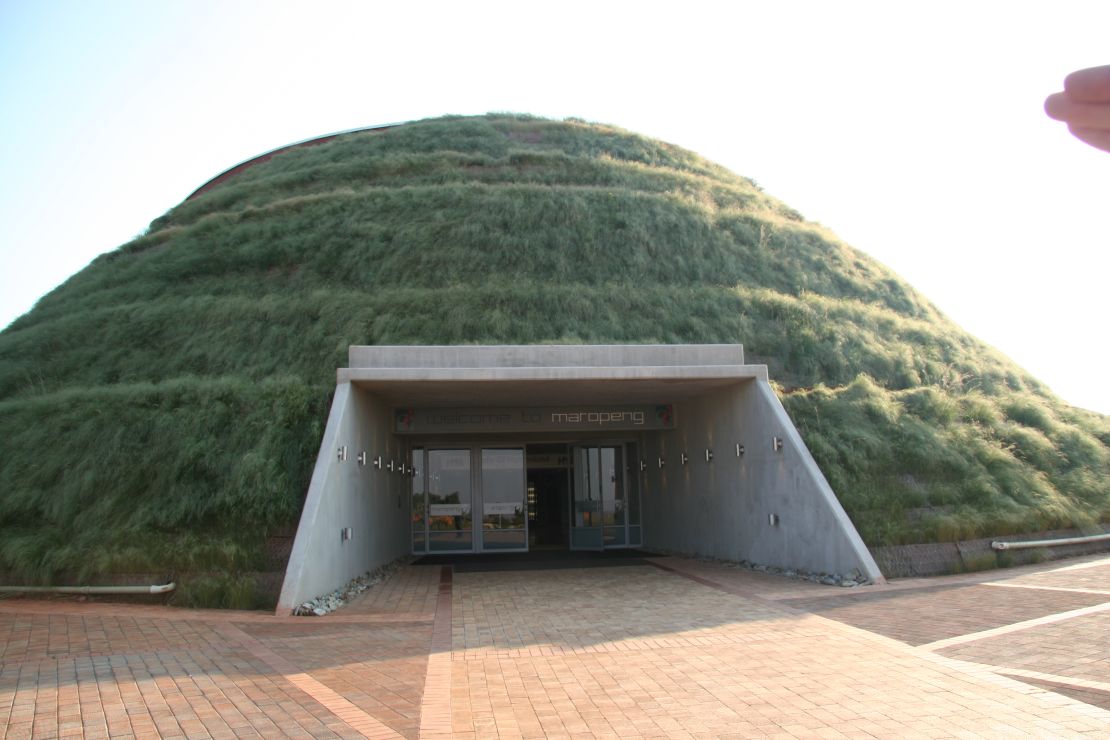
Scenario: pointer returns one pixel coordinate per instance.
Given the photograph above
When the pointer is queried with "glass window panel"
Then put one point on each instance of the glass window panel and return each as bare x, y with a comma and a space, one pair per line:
450, 519
503, 505
440, 541
587, 494
504, 539
611, 474
586, 538
614, 536
635, 537
419, 505
503, 500
632, 482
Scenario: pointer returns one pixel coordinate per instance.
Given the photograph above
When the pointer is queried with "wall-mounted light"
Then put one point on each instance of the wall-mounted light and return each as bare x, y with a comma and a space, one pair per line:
378, 462
643, 466
708, 455
739, 450
361, 459
346, 534
685, 458
776, 444
773, 520
341, 453
662, 462
390, 466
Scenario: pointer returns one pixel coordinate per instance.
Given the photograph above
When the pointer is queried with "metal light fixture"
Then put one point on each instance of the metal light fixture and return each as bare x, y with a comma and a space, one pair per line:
708, 455
776, 444
361, 459
643, 466
341, 453
685, 458
739, 450
378, 462
662, 462
391, 466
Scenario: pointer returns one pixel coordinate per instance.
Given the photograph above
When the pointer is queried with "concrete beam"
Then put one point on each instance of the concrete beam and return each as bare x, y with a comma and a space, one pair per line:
545, 355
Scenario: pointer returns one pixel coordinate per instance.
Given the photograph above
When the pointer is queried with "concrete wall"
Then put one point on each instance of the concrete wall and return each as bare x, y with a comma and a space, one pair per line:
538, 355
342, 493
721, 508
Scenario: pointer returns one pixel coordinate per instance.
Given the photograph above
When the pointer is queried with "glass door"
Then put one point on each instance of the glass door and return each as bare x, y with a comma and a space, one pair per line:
634, 468
605, 508
450, 485
504, 510
450, 519
597, 515
419, 507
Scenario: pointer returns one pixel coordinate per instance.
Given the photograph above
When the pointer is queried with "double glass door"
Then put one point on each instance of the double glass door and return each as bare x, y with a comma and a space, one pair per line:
469, 499
606, 502
474, 499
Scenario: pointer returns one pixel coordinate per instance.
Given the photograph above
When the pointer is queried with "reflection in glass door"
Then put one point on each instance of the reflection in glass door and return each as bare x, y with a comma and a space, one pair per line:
450, 519
504, 525
598, 505
419, 503
448, 486
632, 495
605, 508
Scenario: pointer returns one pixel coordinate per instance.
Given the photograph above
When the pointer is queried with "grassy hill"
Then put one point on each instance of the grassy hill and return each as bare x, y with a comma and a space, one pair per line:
161, 410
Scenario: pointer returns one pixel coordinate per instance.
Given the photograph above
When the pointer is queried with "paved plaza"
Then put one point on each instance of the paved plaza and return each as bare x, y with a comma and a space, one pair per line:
665, 647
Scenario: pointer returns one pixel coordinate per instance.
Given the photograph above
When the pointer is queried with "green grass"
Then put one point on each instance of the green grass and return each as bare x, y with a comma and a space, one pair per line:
161, 410
186, 476
967, 463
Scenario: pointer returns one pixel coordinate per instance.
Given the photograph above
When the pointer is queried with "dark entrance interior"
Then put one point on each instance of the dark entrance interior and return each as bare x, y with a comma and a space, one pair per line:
551, 559
548, 497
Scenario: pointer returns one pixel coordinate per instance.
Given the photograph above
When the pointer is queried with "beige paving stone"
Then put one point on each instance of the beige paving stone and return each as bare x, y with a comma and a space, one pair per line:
702, 644
701, 650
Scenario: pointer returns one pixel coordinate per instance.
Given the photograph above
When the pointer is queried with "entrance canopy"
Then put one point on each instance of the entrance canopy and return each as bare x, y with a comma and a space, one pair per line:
682, 448
545, 375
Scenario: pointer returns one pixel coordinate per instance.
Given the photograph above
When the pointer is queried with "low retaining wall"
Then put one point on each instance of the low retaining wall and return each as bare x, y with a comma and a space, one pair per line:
943, 558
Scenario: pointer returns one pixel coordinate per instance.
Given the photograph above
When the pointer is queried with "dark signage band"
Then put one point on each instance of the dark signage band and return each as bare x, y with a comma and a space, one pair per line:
542, 419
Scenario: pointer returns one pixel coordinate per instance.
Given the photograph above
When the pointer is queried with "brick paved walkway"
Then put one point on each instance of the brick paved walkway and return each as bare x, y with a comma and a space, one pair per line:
676, 648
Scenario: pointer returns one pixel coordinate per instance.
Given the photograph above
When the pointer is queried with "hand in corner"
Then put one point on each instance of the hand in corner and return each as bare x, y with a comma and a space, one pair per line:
1084, 105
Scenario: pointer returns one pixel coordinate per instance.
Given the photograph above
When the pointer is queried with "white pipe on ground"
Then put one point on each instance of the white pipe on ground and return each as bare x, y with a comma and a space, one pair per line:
165, 588
1049, 543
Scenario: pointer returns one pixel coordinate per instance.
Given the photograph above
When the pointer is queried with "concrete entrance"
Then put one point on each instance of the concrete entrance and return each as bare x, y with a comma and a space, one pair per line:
680, 448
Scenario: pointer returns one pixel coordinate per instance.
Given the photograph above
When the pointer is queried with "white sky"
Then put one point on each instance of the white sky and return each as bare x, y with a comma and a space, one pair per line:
913, 131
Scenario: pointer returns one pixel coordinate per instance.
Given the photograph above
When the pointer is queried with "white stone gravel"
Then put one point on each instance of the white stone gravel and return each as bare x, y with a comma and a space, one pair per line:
329, 602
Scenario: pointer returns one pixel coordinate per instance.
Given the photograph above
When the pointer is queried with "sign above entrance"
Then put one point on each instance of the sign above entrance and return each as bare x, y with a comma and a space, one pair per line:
540, 419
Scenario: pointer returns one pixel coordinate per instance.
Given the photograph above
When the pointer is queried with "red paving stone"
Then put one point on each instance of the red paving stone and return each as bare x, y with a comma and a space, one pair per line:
699, 650
952, 611
1075, 648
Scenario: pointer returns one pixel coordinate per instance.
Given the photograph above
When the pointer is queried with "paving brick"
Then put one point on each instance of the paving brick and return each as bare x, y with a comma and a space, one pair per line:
699, 650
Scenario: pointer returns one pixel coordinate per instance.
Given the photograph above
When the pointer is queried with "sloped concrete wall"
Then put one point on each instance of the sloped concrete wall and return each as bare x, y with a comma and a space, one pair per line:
342, 494
723, 508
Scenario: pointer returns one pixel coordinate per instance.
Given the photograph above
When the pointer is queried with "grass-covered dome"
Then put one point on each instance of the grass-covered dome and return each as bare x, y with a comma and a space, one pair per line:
161, 410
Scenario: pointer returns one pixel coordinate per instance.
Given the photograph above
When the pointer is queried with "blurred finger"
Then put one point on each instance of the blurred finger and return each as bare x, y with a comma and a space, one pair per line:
1089, 85
1055, 104
1095, 137
1085, 115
